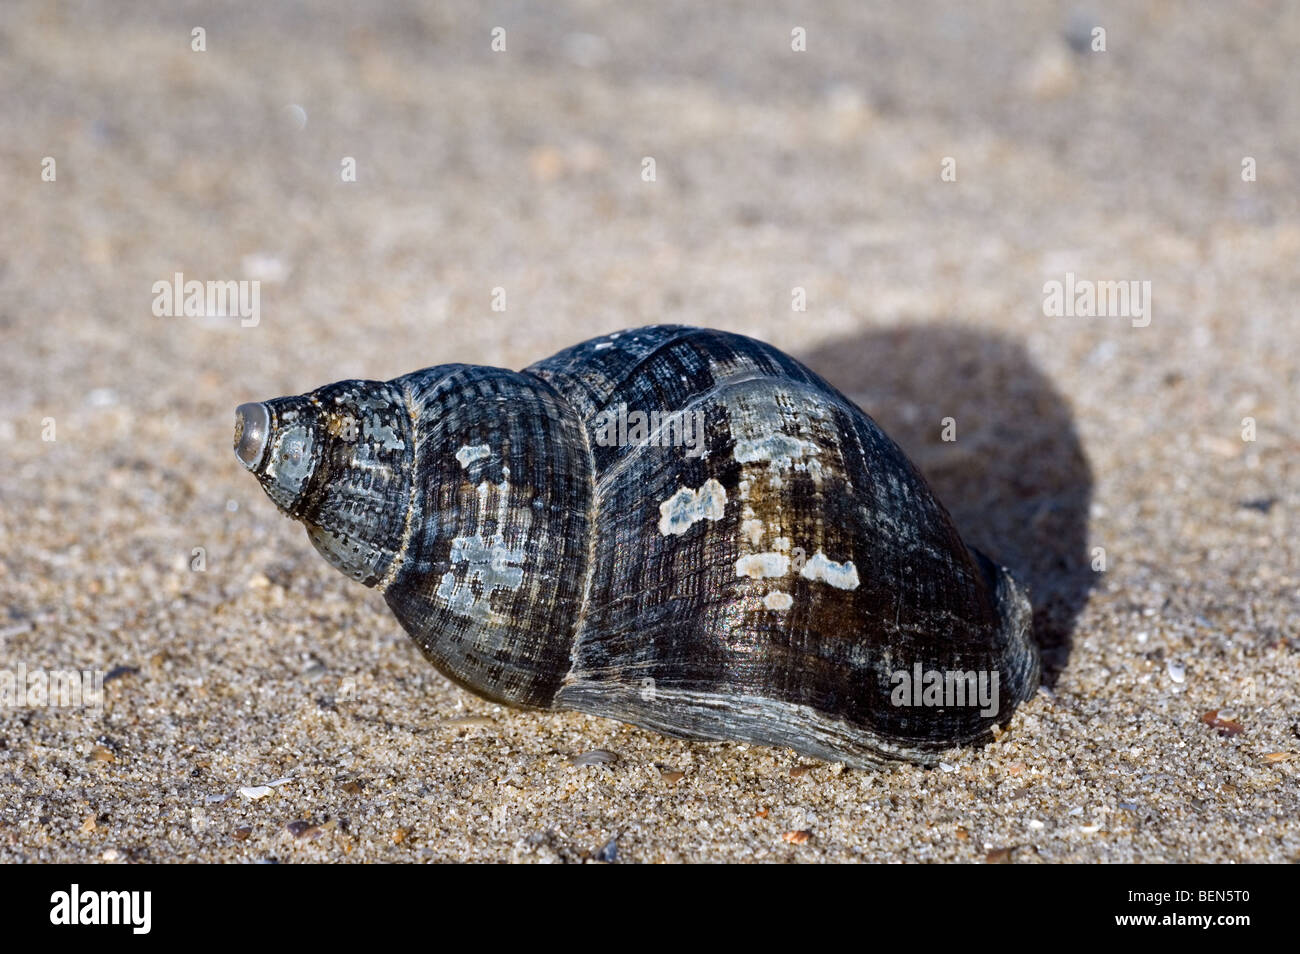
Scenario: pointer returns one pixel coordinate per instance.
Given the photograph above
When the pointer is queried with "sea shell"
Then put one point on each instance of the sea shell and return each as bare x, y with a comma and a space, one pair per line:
758, 562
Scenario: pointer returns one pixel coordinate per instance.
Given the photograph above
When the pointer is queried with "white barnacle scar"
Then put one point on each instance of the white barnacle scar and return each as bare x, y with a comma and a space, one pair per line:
687, 507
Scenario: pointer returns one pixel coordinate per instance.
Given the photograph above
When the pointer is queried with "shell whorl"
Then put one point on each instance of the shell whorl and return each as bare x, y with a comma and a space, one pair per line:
495, 565
718, 632
339, 460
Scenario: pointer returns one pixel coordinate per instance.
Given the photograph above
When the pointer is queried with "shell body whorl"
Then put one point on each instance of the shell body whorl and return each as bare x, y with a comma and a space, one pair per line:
689, 531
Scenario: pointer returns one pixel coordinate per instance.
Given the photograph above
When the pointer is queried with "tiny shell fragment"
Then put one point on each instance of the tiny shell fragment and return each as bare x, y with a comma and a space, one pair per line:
595, 757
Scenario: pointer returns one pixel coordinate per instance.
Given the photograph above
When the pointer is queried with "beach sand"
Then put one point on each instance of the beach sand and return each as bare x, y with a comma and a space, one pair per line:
262, 707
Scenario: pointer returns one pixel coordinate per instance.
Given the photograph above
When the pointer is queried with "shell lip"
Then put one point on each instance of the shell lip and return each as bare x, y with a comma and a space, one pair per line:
252, 432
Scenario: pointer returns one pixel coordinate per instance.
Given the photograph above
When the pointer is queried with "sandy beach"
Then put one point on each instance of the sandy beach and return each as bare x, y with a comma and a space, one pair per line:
920, 172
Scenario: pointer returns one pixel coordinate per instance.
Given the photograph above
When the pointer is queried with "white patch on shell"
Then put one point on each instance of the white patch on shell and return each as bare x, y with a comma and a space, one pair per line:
752, 530
776, 448
290, 461
487, 560
774, 437
843, 576
374, 429
472, 452
687, 507
778, 601
756, 566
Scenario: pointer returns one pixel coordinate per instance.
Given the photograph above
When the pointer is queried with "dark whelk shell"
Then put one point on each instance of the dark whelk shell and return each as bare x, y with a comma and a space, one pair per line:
682, 529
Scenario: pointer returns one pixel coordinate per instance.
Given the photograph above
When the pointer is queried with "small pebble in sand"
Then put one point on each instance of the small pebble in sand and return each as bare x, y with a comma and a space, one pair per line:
1224, 720
800, 837
595, 757
241, 834
313, 673
609, 852
673, 777
1177, 671
303, 829
112, 854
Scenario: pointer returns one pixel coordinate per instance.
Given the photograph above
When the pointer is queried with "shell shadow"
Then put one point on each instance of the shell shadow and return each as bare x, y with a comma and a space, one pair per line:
1016, 479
